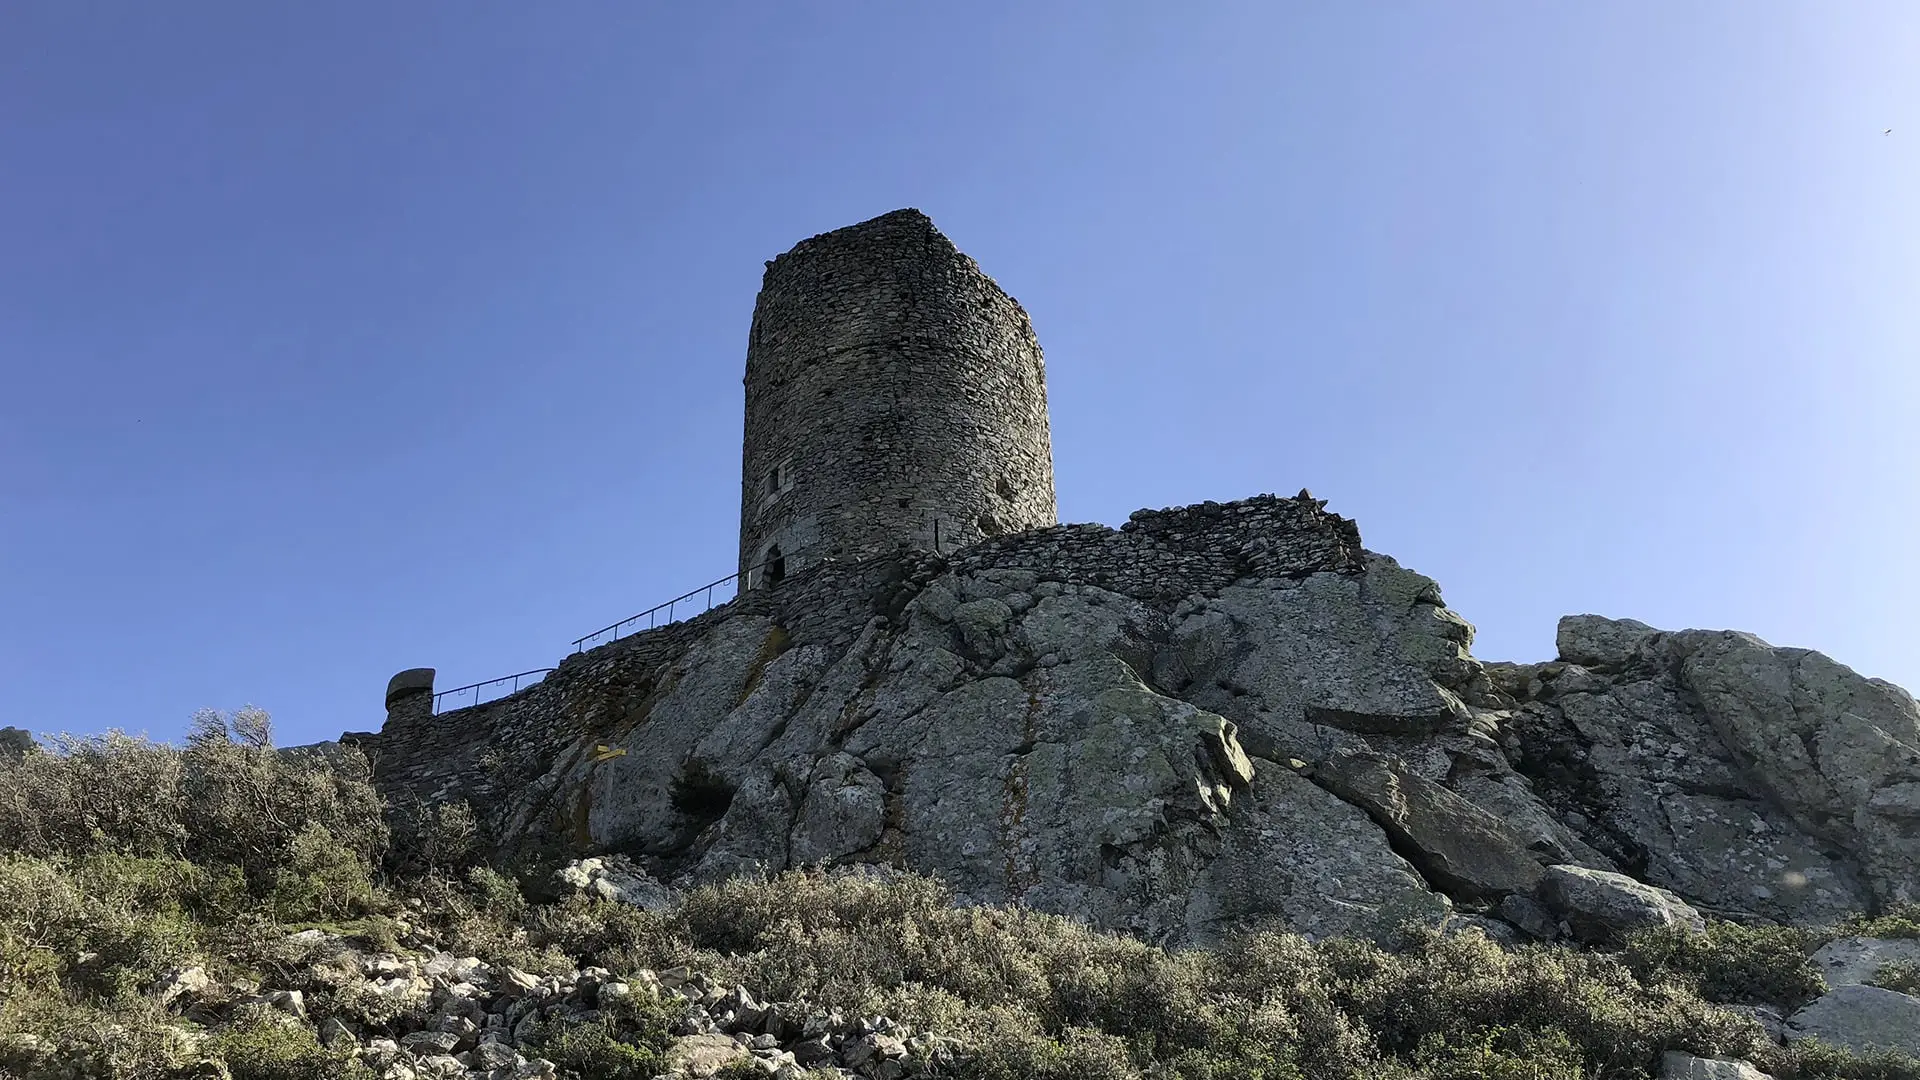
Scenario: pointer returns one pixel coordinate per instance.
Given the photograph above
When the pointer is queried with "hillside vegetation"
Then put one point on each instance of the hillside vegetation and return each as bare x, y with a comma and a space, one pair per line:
226, 909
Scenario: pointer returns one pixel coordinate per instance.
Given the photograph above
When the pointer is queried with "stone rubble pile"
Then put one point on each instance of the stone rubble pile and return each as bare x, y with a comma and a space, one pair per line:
461, 1018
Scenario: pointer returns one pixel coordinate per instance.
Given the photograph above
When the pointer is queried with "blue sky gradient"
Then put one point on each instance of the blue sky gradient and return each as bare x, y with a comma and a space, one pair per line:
342, 338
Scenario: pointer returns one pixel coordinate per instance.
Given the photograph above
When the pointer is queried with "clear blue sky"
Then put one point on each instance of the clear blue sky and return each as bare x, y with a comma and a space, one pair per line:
342, 338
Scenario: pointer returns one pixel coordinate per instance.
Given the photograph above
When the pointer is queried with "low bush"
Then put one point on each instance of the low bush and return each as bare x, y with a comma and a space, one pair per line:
302, 827
595, 1049
1900, 976
261, 1044
441, 838
1731, 963
55, 1036
1898, 921
1039, 995
1819, 1061
122, 863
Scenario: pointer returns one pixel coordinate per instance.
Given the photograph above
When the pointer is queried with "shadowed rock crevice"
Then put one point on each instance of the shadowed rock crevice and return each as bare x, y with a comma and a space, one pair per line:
1464, 851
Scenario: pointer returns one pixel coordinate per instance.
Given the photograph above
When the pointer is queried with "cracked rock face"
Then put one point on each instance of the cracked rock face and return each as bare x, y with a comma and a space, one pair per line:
1744, 777
1072, 749
1463, 849
1200, 725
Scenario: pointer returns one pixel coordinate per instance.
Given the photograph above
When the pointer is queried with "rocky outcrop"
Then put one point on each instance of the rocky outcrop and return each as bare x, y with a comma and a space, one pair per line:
1604, 908
15, 741
1747, 778
1863, 1019
1064, 745
1860, 961
617, 880
1458, 846
1214, 716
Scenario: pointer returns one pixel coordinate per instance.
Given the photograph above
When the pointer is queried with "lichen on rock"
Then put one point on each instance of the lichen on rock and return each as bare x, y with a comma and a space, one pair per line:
1213, 717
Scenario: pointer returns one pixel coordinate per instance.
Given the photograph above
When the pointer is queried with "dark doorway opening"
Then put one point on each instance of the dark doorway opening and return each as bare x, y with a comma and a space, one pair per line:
774, 566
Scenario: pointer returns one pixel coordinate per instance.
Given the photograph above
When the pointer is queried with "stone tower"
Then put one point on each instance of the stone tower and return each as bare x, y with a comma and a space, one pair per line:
896, 397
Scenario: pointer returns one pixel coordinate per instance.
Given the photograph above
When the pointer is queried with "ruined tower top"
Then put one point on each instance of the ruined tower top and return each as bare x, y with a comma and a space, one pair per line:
896, 398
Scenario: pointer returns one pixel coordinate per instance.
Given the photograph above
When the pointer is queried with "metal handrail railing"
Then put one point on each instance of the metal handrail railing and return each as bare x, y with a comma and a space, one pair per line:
475, 687
652, 614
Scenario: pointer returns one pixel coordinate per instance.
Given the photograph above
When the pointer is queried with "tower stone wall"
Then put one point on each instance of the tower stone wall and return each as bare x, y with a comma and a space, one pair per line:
895, 398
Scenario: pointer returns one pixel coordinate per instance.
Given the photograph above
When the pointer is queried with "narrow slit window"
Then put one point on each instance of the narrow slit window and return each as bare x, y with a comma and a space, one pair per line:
778, 479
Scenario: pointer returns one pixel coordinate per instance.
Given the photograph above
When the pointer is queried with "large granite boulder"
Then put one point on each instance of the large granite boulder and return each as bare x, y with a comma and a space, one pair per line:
1863, 1019
1600, 643
1675, 1065
1838, 752
15, 742
1603, 908
1455, 844
1857, 961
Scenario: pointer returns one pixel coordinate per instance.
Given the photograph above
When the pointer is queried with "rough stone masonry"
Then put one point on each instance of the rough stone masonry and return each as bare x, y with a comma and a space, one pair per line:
895, 398
1214, 715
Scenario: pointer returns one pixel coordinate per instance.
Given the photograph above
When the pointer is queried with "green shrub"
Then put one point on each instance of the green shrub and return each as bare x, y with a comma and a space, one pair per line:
1452, 986
478, 917
1901, 976
1814, 1060
40, 912
260, 1044
442, 838
1731, 963
1298, 994
67, 1037
1501, 1053
359, 1003
321, 878
1898, 921
1040, 994
1076, 1054
267, 811
596, 1049
613, 936
124, 950
88, 793
121, 860
495, 894
107, 926
228, 798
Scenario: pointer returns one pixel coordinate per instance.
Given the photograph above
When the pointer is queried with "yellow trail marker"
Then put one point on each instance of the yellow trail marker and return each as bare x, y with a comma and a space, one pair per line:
608, 753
